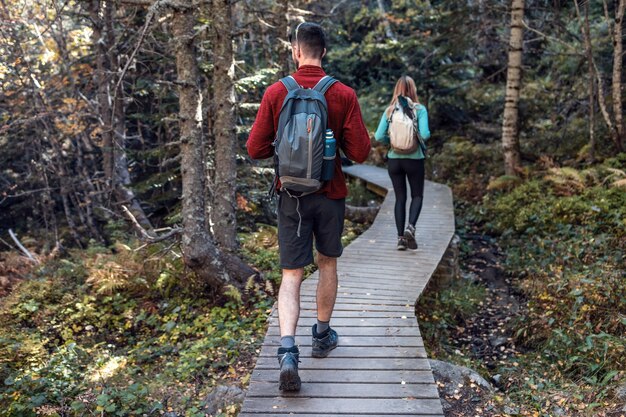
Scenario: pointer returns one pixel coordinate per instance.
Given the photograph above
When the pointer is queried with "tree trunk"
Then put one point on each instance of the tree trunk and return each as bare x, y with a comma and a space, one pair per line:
510, 123
199, 252
111, 108
284, 49
617, 72
102, 81
361, 214
592, 83
383, 13
584, 27
223, 213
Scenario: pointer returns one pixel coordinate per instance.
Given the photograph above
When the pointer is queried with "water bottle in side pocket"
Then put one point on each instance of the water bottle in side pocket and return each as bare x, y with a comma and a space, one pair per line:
330, 150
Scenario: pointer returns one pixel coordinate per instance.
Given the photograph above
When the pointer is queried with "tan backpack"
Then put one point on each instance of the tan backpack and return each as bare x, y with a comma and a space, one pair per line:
403, 131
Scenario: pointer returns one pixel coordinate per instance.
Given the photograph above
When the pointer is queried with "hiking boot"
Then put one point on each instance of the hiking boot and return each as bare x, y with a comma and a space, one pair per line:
288, 359
323, 343
401, 243
409, 235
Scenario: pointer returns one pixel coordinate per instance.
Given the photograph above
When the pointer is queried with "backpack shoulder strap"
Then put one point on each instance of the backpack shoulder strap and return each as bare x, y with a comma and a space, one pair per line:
391, 114
290, 83
324, 84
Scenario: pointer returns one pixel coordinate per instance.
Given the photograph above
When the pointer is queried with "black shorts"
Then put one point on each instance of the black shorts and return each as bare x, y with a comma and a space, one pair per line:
320, 217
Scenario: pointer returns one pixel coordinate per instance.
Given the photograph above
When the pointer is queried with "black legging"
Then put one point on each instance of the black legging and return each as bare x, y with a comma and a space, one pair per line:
399, 170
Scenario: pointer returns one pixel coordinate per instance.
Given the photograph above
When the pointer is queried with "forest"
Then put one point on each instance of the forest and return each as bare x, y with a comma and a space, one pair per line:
138, 243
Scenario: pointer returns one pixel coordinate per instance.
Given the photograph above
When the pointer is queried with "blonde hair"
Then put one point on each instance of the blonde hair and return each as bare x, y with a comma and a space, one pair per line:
404, 87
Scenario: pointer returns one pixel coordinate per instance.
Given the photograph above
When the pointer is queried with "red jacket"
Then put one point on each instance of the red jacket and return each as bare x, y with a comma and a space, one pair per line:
344, 118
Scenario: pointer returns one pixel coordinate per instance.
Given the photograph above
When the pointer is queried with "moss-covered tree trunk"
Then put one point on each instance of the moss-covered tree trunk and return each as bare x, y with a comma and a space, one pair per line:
223, 213
510, 123
199, 251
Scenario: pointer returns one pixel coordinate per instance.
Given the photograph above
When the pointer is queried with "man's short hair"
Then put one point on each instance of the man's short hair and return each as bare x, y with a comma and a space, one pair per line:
310, 37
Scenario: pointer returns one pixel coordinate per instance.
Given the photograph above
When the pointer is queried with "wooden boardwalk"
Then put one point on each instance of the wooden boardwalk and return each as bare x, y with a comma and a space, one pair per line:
380, 366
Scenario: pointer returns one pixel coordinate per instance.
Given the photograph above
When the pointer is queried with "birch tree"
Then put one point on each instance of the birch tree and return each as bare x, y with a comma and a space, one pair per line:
617, 71
510, 123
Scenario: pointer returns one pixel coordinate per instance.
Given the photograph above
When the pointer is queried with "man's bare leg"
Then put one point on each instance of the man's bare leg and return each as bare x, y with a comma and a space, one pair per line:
288, 314
289, 301
326, 287
325, 338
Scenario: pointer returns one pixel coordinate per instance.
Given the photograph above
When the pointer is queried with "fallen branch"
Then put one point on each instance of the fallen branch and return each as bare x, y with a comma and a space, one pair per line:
145, 235
22, 248
361, 214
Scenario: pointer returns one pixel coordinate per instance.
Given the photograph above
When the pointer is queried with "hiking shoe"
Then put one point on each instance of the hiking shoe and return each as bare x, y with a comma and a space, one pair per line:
323, 343
401, 243
409, 235
288, 359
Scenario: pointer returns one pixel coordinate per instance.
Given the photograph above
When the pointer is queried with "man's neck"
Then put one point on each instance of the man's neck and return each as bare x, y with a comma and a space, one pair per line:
310, 61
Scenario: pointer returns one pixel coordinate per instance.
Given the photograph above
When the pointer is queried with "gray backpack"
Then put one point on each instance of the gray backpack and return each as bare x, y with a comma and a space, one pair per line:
299, 143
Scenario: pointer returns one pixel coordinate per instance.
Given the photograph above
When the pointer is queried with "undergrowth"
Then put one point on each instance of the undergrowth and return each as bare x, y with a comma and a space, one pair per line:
119, 332
564, 233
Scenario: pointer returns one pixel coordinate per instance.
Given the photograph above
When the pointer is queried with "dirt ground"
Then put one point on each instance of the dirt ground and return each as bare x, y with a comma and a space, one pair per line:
486, 336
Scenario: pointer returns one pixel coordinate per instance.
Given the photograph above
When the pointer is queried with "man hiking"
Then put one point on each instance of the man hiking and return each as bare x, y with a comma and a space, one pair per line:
317, 214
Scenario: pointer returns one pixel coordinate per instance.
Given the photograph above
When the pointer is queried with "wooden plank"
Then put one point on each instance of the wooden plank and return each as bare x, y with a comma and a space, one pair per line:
304, 330
399, 294
409, 260
398, 301
377, 282
291, 414
386, 299
373, 322
362, 308
347, 364
336, 390
344, 405
353, 377
351, 341
351, 268
374, 277
376, 286
360, 313
344, 351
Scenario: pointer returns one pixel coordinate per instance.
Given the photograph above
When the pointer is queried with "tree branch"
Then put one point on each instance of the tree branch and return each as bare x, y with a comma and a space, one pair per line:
552, 38
22, 248
145, 235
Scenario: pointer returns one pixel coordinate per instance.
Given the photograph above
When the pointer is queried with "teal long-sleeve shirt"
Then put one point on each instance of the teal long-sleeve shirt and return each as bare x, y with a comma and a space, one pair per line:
382, 133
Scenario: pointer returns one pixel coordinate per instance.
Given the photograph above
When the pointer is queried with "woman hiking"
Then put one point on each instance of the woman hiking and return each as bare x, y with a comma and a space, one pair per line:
397, 127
